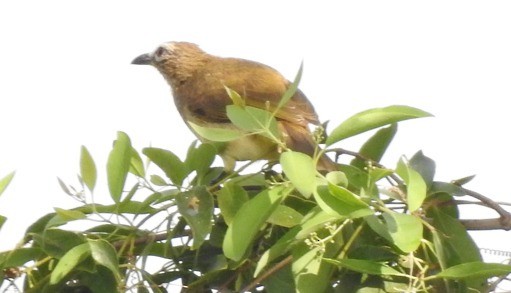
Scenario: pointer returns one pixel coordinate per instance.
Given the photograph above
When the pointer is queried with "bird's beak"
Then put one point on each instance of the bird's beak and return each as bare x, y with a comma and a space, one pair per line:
144, 59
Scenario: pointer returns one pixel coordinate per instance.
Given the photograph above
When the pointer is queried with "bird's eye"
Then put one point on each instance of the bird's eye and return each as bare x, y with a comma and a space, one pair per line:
159, 52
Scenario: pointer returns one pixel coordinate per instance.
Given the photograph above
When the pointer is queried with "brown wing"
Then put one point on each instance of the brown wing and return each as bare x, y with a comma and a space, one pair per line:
205, 97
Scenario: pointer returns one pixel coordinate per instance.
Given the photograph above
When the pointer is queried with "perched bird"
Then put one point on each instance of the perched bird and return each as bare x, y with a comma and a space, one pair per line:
198, 82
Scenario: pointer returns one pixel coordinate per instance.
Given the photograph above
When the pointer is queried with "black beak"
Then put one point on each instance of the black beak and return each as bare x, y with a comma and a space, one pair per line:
144, 59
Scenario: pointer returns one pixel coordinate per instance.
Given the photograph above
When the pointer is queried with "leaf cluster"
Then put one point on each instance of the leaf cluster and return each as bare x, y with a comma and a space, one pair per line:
183, 223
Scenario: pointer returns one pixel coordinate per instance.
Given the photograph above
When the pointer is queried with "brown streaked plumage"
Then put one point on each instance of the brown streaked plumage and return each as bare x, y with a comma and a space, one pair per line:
198, 83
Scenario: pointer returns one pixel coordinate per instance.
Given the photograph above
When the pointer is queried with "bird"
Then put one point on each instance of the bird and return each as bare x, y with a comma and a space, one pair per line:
198, 82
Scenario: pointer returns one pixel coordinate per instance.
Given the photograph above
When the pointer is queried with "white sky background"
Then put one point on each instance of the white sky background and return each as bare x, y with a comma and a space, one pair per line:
66, 80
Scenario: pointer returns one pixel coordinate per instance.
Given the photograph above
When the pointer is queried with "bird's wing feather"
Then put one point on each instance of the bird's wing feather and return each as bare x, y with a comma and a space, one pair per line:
260, 85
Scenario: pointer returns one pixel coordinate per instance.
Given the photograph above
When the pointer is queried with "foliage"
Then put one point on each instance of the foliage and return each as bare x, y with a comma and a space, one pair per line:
363, 228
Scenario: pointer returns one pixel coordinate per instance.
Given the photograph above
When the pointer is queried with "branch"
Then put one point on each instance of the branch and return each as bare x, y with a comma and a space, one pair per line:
504, 222
149, 238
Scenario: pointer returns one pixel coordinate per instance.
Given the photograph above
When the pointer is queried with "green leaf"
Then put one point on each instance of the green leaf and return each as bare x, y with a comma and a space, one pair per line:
300, 169
282, 245
69, 261
4, 182
118, 165
249, 220
416, 188
375, 147
310, 272
69, 215
463, 181
453, 239
285, 216
424, 166
87, 169
158, 180
20, 256
254, 120
475, 269
357, 179
315, 220
2, 221
136, 164
100, 280
217, 134
200, 158
403, 230
196, 206
171, 165
366, 267
235, 97
306, 259
56, 242
104, 254
339, 201
230, 199
337, 178
291, 90
371, 119
280, 281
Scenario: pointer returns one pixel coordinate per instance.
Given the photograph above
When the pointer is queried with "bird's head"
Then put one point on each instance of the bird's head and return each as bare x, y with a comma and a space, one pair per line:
176, 61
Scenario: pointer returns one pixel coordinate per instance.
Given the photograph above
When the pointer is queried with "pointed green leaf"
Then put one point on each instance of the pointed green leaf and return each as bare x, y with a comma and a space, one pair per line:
371, 119
19, 256
463, 181
416, 188
69, 215
253, 120
136, 164
64, 187
4, 182
454, 240
217, 134
375, 146
104, 254
403, 230
230, 199
249, 220
425, 166
300, 169
196, 206
311, 273
337, 178
87, 169
118, 165
476, 269
171, 165
2, 221
235, 97
285, 216
280, 281
339, 201
69, 261
200, 158
292, 88
279, 248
